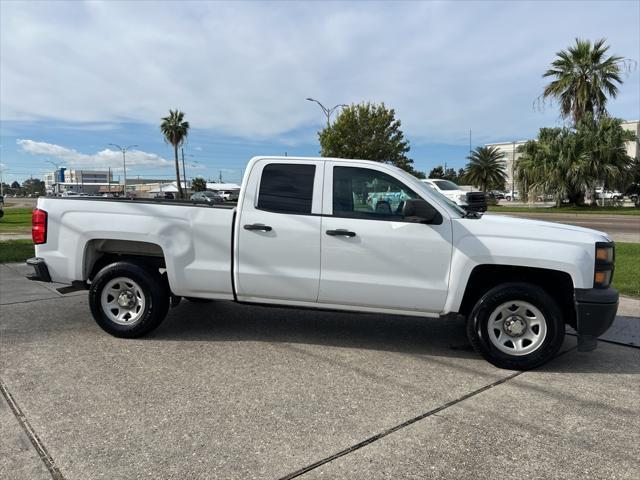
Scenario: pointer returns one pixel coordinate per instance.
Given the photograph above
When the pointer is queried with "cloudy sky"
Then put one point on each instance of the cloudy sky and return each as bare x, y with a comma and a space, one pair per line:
77, 76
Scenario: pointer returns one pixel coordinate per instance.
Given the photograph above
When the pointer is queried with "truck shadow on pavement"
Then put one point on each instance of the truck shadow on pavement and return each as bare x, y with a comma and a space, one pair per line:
226, 321
433, 337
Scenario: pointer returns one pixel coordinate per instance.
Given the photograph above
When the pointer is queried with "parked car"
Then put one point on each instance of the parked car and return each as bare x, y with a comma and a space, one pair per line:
164, 196
603, 194
512, 196
229, 195
303, 235
473, 201
497, 194
207, 196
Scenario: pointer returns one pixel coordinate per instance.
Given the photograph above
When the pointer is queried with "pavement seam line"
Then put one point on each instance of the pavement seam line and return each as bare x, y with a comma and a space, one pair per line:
400, 426
35, 300
44, 455
406, 423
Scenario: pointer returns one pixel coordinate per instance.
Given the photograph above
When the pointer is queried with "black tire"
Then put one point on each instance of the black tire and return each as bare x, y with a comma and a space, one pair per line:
478, 331
155, 297
198, 300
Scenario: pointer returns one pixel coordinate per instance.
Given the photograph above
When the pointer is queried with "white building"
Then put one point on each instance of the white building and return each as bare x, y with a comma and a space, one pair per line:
82, 181
510, 151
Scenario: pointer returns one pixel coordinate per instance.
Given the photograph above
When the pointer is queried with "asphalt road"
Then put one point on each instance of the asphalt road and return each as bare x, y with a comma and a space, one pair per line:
622, 228
230, 391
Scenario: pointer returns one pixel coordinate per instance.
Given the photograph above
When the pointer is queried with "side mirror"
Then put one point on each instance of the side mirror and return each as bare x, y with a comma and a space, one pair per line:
419, 211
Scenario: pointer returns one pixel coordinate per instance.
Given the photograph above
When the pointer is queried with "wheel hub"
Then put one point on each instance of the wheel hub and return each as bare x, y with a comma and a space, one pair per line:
515, 326
127, 299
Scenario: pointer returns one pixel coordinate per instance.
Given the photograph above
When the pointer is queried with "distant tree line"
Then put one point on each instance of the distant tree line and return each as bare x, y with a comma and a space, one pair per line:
31, 186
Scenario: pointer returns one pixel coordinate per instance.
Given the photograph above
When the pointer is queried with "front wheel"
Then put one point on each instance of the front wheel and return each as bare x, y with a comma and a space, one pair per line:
517, 326
128, 300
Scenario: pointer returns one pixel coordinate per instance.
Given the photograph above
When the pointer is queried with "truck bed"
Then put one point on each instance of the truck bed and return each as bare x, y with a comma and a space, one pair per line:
194, 239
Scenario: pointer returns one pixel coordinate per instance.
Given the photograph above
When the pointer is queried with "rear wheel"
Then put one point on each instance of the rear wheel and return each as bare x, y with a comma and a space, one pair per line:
128, 300
516, 326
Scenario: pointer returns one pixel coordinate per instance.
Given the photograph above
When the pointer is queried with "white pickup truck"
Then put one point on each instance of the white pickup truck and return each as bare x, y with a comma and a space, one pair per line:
305, 233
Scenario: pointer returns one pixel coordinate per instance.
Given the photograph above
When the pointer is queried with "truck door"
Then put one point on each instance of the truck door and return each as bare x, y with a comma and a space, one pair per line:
371, 256
278, 232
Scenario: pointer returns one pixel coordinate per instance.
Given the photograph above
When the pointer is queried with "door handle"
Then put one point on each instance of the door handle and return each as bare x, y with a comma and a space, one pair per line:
258, 226
341, 232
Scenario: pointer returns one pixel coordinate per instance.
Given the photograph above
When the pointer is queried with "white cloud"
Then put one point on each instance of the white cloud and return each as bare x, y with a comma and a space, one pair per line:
244, 69
102, 159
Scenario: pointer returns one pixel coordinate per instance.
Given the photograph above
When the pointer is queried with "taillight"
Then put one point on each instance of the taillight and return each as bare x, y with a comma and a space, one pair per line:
39, 226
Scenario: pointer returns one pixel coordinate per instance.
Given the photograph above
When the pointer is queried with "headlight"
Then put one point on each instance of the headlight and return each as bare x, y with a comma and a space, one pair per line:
604, 265
462, 198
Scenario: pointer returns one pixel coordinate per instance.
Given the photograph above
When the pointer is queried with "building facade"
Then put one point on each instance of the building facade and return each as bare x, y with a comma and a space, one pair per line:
80, 181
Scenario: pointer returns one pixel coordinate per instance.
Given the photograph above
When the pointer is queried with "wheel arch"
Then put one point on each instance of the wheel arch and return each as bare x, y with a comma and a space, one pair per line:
99, 253
557, 284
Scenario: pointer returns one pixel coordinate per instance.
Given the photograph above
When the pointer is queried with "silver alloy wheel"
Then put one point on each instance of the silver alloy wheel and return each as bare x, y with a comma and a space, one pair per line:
517, 328
123, 301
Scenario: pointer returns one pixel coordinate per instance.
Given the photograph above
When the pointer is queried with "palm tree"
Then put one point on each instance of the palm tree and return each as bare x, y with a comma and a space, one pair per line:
583, 77
552, 163
175, 130
486, 168
606, 160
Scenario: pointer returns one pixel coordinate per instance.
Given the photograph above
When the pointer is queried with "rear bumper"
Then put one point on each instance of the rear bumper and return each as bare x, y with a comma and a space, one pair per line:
595, 312
40, 270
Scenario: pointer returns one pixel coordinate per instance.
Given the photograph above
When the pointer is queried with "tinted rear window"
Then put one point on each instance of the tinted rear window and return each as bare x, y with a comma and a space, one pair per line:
286, 188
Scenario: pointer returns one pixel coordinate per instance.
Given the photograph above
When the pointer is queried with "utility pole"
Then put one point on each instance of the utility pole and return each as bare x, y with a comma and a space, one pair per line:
109, 181
470, 149
184, 173
124, 163
513, 161
327, 111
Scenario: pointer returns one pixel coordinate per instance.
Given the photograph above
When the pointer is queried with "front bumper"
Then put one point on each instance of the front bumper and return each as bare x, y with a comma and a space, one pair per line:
595, 312
40, 270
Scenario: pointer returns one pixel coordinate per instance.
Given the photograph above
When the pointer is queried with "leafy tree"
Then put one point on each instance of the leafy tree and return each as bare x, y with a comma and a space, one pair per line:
15, 185
175, 130
33, 185
583, 77
486, 168
370, 132
199, 184
448, 174
437, 172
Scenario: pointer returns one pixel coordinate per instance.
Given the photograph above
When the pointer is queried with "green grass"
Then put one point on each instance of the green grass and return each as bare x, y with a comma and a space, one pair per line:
16, 220
626, 278
578, 210
16, 250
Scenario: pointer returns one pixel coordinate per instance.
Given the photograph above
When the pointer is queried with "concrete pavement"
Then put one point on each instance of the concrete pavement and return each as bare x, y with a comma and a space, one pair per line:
231, 391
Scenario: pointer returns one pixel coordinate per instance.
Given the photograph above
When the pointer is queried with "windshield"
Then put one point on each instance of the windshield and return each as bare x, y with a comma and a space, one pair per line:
210, 194
446, 185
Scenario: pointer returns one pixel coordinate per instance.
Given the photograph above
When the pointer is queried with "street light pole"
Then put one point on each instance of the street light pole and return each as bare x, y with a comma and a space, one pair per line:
124, 162
184, 173
327, 111
57, 175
